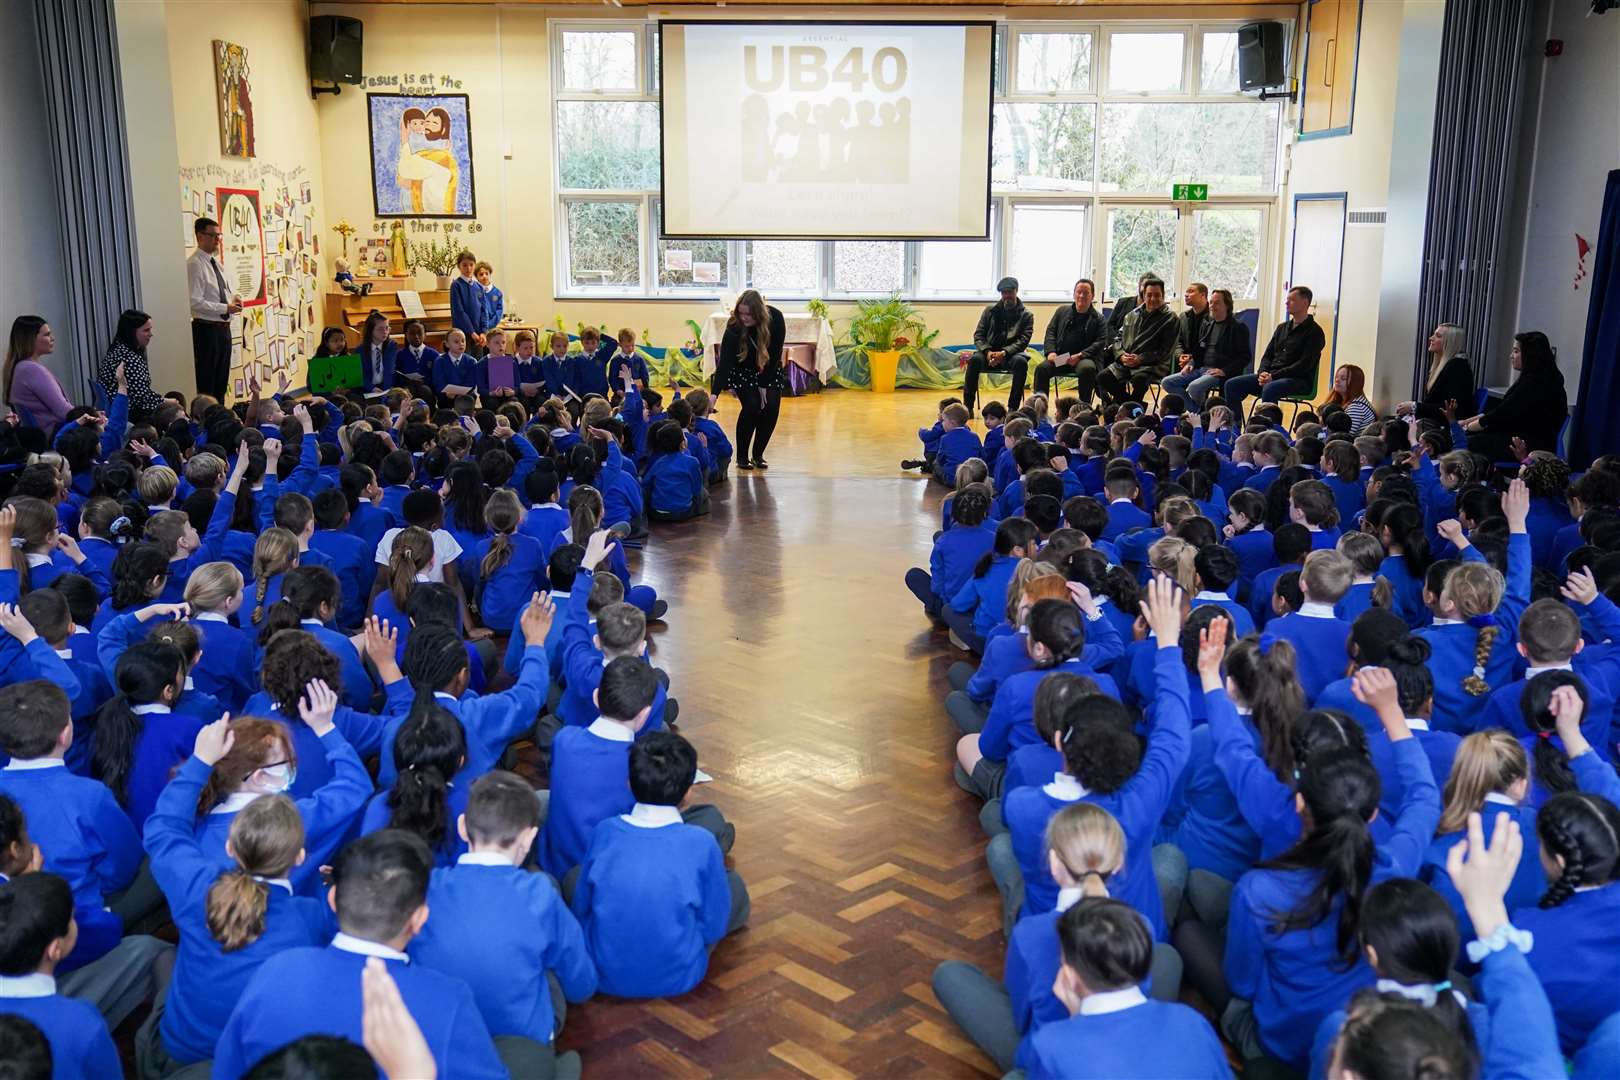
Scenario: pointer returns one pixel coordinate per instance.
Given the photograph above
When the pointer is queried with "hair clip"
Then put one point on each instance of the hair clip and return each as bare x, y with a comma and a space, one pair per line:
1482, 622
118, 523
1544, 734
1266, 642
18, 542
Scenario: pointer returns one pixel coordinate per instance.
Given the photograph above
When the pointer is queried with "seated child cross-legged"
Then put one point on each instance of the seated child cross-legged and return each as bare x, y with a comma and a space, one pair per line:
505, 930
653, 894
379, 891
1318, 636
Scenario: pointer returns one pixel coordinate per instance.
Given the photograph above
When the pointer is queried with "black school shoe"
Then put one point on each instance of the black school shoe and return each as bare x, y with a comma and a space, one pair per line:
759, 463
743, 464
912, 464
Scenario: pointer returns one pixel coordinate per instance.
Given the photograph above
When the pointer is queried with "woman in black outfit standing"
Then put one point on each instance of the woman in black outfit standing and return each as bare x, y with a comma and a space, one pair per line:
1534, 408
129, 349
751, 364
1449, 377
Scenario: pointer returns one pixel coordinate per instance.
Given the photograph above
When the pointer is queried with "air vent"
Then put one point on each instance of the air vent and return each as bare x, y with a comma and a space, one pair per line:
1375, 217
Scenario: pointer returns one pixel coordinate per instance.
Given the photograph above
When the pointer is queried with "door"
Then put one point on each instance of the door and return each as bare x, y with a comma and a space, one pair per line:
1316, 261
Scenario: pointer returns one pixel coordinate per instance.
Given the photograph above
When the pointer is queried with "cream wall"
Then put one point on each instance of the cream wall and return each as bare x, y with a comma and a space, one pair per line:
500, 57
1361, 164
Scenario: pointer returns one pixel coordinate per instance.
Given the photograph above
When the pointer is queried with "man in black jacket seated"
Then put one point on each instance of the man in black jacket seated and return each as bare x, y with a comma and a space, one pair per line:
1074, 338
1144, 351
999, 342
1289, 362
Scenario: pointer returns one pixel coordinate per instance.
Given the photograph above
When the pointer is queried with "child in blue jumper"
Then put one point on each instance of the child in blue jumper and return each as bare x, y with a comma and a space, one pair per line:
351, 558
230, 921
653, 894
1407, 659
676, 489
956, 551
47, 611
1113, 1030
505, 930
929, 437
1550, 640
1318, 636
981, 601
956, 443
36, 912
379, 891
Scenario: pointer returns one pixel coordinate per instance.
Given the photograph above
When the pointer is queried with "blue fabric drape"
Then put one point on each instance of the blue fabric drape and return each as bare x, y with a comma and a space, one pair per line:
1594, 431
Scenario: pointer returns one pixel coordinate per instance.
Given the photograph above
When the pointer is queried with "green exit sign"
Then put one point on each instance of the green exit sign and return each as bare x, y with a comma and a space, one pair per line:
1189, 192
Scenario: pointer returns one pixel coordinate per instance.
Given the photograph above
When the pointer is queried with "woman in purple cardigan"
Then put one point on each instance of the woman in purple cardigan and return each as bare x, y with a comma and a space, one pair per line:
30, 388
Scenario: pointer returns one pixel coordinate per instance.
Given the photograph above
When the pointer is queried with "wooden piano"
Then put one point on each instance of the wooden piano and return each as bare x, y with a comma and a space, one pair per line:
350, 311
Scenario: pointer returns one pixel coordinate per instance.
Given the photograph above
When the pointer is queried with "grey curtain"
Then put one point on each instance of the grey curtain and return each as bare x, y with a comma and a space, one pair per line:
1476, 122
78, 49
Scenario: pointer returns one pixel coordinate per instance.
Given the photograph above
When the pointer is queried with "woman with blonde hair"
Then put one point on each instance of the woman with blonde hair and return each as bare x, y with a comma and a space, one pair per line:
1490, 776
229, 921
1449, 377
1085, 848
229, 666
751, 365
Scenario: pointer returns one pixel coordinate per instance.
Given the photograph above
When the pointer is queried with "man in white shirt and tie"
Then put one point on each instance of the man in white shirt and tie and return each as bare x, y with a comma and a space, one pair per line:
212, 305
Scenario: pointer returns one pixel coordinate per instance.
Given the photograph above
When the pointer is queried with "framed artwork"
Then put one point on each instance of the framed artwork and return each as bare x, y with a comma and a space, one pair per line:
421, 155
235, 100
241, 248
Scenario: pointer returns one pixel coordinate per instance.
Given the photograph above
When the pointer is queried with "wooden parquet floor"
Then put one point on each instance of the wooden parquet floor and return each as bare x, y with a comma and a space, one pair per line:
811, 684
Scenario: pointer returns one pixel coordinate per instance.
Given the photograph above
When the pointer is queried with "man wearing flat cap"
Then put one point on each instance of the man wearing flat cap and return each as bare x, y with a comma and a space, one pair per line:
999, 342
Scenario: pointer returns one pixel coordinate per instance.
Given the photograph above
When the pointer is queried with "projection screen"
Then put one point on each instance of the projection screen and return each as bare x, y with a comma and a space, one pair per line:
826, 130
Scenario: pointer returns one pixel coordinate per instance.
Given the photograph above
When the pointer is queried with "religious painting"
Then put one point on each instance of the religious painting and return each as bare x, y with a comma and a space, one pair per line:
421, 155
241, 249
235, 100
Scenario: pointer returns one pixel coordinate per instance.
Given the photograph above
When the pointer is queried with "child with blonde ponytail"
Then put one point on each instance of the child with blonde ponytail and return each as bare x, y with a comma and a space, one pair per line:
275, 553
228, 669
229, 922
511, 564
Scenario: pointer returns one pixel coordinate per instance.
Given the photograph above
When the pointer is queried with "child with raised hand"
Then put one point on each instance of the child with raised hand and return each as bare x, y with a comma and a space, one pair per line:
262, 761
1291, 954
505, 930
621, 630
1104, 764
1550, 640
1120, 1035
311, 597
1477, 619
379, 892
436, 660
429, 751
38, 932
47, 553
1490, 776
230, 921
653, 894
48, 613
1006, 653
140, 737
1086, 849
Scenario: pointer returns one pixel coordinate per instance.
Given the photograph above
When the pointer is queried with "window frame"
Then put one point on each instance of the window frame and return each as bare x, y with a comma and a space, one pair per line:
1004, 203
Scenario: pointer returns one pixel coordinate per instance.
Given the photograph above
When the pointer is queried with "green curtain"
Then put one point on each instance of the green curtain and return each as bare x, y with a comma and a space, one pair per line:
920, 369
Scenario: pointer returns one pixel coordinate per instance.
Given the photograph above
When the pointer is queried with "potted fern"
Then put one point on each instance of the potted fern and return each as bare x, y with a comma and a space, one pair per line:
437, 257
882, 330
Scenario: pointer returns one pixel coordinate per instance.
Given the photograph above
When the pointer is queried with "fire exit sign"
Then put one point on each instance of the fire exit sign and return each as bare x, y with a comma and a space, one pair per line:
1189, 192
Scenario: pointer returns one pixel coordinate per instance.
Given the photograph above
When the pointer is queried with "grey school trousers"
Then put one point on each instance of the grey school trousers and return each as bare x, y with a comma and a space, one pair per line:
135, 971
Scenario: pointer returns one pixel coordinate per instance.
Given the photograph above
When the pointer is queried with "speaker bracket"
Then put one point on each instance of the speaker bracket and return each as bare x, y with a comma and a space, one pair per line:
315, 92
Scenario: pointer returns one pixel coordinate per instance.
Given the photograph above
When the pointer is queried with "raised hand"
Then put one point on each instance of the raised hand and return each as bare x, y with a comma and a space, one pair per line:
1516, 505
317, 706
1451, 530
1521, 450
68, 546
301, 413
1482, 873
1580, 588
15, 623
1162, 610
163, 611
596, 549
1211, 651
1567, 708
272, 454
537, 618
214, 741
1083, 598
382, 640
388, 1030
120, 380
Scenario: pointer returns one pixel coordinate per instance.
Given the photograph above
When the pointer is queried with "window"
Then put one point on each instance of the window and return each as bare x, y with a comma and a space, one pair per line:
604, 245
1141, 63
957, 268
1140, 240
1051, 63
1218, 63
1092, 124
868, 267
599, 60
1226, 247
1049, 247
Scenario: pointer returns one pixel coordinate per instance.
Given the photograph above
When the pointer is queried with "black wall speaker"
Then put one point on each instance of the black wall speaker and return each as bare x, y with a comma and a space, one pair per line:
1262, 56
335, 49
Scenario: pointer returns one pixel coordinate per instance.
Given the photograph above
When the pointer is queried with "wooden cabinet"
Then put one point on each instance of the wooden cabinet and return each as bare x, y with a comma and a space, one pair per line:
1332, 35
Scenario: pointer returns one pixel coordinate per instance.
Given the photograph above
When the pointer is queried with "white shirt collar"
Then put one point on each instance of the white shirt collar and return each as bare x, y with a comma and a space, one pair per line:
351, 944
1417, 723
1313, 610
552, 505
211, 616
38, 560
1067, 898
234, 802
148, 710
23, 764
652, 817
77, 630
310, 622
37, 985
483, 858
1438, 621
1112, 1001
279, 882
1532, 672
442, 696
1208, 595
1111, 502
1065, 787
604, 728
66, 654
1500, 799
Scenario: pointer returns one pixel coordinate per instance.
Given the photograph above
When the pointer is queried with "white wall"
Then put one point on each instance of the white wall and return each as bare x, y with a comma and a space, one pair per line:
32, 278
1576, 144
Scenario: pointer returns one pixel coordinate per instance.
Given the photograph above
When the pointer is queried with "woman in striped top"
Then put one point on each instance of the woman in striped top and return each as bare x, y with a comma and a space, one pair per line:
1349, 382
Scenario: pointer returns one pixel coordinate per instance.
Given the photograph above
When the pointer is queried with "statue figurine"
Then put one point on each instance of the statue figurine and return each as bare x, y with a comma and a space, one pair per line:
346, 281
396, 252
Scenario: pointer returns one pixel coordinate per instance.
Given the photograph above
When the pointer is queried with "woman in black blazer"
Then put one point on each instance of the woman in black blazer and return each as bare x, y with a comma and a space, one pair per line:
751, 365
1534, 408
1449, 377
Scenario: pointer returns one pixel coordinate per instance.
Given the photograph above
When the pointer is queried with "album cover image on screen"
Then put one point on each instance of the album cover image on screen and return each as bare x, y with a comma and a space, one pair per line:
826, 130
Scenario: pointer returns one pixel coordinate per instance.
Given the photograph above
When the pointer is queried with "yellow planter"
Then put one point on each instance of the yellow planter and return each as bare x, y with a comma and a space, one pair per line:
883, 366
